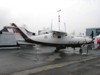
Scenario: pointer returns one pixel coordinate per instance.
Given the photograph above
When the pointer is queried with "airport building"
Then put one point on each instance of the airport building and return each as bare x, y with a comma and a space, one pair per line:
95, 33
92, 31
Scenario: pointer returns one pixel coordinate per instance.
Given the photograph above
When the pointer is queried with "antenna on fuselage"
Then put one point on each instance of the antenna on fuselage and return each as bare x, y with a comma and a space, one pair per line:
51, 24
65, 26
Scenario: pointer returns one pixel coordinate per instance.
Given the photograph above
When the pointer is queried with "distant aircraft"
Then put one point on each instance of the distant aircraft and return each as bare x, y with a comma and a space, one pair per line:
57, 39
10, 37
7, 39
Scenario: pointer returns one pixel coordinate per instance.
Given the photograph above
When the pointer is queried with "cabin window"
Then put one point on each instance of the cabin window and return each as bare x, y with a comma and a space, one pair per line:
59, 37
65, 34
33, 33
46, 32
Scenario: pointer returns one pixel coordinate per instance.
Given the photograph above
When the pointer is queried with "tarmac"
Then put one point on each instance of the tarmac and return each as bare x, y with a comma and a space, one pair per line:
42, 60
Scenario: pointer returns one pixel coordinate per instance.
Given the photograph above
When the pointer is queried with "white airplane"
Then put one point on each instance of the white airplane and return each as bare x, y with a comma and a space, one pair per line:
57, 39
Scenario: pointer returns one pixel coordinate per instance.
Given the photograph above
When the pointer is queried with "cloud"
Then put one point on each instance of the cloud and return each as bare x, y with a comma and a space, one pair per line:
37, 14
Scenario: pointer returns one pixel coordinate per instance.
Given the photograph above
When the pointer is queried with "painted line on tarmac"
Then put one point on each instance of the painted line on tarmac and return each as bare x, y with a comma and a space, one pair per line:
49, 67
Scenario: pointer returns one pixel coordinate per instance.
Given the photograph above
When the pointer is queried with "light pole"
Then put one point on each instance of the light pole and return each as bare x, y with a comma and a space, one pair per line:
51, 24
59, 18
65, 26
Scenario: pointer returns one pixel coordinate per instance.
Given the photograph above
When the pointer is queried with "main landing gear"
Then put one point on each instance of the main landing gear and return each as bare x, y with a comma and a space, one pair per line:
85, 47
57, 50
59, 47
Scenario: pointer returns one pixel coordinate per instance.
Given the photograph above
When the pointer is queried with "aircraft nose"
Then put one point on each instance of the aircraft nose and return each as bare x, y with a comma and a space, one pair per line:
88, 39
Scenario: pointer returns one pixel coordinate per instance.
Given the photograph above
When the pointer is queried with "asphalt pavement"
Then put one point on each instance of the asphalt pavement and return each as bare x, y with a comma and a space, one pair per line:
17, 60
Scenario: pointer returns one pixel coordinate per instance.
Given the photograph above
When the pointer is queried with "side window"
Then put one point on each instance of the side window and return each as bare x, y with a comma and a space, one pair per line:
46, 32
59, 37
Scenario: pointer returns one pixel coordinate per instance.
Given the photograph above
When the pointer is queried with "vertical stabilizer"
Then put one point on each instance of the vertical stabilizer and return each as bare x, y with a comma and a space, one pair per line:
21, 31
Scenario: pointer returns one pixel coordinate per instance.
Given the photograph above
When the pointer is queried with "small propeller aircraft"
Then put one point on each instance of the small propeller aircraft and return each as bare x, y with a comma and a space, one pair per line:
57, 39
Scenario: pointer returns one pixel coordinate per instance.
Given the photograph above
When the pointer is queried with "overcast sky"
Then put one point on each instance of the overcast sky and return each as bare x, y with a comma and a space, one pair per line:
38, 14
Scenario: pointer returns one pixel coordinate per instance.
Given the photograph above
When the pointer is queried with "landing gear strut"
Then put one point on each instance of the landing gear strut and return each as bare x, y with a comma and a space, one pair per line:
59, 47
57, 50
80, 51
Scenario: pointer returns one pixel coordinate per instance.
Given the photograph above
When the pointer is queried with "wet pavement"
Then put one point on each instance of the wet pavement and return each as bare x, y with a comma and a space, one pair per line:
26, 58
91, 67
